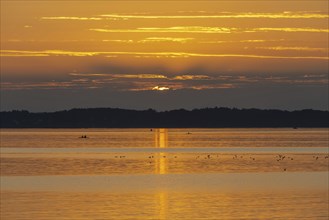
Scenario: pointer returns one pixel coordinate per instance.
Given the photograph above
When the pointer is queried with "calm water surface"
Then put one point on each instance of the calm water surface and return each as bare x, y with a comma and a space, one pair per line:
164, 174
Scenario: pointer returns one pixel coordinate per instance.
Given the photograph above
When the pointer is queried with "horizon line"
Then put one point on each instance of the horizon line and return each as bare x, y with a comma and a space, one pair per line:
168, 110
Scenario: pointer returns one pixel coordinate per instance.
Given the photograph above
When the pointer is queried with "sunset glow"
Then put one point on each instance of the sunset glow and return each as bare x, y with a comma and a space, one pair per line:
133, 49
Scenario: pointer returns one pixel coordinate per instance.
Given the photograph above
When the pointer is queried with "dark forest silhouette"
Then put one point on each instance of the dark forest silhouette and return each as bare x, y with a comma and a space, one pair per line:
197, 118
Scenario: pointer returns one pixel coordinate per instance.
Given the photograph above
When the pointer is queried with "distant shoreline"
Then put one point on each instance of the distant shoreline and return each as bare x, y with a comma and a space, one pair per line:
149, 129
181, 118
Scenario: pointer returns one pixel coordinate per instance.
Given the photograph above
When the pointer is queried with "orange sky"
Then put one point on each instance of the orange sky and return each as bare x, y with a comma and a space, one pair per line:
136, 46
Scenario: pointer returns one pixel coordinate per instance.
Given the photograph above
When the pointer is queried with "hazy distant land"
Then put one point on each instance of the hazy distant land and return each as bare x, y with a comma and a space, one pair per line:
181, 118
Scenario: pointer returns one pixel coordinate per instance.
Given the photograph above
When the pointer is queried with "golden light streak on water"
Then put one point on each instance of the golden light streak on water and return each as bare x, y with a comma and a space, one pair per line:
161, 141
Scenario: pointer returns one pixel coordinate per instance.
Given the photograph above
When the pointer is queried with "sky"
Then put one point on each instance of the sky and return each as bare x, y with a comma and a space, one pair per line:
164, 55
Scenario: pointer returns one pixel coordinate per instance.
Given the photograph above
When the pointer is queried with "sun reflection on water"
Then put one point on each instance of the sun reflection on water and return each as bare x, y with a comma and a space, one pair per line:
161, 167
161, 141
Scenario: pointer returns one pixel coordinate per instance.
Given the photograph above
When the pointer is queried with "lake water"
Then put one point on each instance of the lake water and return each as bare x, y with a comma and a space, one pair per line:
164, 174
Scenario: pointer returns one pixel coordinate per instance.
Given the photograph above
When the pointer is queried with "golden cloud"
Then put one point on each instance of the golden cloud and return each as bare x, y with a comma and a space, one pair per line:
282, 15
18, 53
279, 48
314, 30
208, 30
166, 39
73, 18
191, 77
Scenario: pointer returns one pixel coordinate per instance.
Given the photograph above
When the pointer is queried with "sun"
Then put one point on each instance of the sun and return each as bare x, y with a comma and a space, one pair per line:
160, 88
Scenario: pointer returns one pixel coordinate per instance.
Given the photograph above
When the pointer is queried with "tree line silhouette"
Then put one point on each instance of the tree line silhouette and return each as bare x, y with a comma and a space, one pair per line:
181, 118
